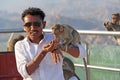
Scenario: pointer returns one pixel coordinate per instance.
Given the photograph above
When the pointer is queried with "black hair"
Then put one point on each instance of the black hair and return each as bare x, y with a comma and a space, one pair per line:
116, 14
33, 11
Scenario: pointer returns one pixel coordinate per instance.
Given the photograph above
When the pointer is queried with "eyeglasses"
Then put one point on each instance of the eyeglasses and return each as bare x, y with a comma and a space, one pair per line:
36, 24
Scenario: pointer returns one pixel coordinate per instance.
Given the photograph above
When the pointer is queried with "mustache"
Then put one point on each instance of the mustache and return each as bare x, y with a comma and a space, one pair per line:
34, 31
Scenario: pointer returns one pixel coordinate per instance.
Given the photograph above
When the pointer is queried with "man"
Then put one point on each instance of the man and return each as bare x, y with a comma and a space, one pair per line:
38, 56
114, 25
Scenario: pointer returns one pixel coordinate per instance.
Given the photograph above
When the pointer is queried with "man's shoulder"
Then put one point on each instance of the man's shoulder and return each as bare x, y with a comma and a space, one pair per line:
21, 41
115, 26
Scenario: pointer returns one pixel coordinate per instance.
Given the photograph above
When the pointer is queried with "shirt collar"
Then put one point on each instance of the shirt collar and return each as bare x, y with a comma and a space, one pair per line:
27, 39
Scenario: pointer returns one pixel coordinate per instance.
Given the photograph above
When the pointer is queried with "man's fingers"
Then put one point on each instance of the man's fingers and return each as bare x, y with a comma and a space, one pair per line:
54, 58
56, 54
61, 53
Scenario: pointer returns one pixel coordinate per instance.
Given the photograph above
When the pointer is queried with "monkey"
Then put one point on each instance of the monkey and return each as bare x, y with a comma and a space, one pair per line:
68, 75
13, 41
67, 36
69, 69
68, 65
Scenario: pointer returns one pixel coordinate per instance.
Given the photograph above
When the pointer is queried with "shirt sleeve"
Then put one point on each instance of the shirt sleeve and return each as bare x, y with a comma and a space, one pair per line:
82, 51
20, 60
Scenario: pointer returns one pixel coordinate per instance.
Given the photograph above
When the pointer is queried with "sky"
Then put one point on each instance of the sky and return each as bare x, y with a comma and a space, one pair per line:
20, 5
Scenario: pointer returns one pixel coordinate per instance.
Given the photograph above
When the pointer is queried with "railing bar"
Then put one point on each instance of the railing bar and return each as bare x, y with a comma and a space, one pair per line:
83, 32
90, 32
98, 67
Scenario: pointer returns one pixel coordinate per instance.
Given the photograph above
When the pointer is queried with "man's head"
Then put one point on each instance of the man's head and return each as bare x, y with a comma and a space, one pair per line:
33, 11
115, 18
33, 22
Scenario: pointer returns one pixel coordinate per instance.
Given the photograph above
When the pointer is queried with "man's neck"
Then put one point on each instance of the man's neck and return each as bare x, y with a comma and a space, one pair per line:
37, 40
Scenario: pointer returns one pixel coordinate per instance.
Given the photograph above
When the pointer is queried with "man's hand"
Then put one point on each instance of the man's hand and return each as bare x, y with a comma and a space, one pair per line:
56, 54
53, 47
106, 24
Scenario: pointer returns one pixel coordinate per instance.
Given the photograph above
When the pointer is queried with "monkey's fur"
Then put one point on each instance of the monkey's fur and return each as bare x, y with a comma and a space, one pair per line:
69, 69
66, 35
13, 41
68, 74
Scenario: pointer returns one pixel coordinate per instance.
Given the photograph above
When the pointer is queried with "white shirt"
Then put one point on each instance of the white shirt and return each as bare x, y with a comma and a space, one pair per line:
73, 78
25, 51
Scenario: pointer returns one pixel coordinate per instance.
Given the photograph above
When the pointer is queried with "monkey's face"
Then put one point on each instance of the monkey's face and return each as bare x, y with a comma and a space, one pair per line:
56, 29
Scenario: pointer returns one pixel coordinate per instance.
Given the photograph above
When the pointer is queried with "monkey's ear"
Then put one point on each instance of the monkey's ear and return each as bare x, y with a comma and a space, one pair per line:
61, 28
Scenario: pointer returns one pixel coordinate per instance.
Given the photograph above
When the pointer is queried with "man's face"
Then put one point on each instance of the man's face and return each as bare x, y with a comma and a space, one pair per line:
114, 19
33, 26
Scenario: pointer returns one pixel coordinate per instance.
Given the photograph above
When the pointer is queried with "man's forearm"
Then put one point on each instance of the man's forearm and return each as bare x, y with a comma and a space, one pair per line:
34, 64
74, 51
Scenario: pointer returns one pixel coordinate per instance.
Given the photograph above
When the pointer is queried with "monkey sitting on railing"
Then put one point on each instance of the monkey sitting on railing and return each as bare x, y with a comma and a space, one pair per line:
67, 36
12, 42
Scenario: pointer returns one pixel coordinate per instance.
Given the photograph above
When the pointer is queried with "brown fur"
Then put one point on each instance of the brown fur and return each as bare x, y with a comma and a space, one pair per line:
66, 35
13, 41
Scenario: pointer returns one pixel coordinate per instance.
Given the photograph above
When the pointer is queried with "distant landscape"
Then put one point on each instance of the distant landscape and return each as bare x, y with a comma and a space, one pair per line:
13, 20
